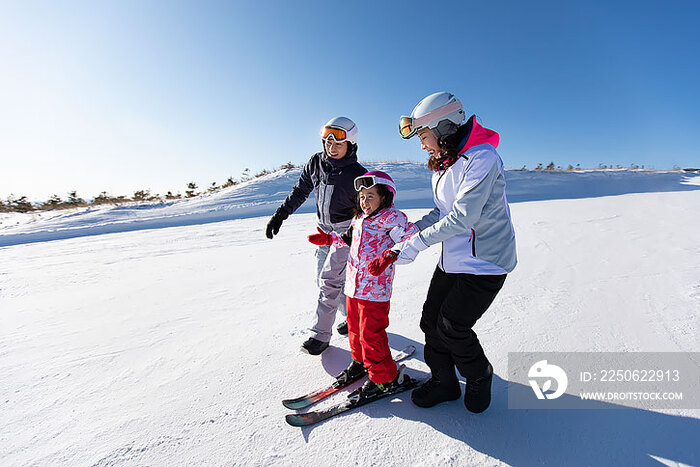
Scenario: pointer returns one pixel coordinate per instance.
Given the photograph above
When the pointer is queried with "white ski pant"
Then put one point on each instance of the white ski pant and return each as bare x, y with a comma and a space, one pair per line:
330, 278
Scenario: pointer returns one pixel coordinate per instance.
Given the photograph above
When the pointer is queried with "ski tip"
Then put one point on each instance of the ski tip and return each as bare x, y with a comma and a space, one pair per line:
292, 404
295, 420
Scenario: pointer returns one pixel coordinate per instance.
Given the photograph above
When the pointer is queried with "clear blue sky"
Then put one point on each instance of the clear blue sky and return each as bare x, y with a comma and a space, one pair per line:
125, 95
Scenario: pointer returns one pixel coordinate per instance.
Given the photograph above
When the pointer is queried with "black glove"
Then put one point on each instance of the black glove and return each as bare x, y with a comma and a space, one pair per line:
273, 226
347, 237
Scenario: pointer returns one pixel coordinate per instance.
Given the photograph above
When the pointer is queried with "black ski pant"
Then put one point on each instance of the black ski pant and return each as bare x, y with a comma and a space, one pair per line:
453, 305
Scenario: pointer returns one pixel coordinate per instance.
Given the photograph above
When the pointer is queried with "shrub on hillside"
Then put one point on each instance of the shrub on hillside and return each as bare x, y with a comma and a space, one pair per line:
21, 204
74, 200
145, 195
191, 191
54, 202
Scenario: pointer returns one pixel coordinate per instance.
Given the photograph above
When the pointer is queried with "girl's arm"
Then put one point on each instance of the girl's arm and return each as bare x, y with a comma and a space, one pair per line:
331, 238
404, 229
342, 240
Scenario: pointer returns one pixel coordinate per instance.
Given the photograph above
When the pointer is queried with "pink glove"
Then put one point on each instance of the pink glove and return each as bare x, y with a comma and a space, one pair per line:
321, 238
378, 265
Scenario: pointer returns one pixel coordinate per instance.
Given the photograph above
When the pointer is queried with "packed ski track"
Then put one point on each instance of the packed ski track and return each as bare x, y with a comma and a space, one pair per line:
138, 336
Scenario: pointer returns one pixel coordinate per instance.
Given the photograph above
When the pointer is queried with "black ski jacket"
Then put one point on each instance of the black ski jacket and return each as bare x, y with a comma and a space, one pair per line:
332, 182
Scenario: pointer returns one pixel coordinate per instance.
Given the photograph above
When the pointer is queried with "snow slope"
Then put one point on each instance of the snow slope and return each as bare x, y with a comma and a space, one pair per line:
174, 346
260, 197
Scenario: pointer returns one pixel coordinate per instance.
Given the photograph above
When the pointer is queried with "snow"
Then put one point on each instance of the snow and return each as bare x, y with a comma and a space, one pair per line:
168, 334
260, 197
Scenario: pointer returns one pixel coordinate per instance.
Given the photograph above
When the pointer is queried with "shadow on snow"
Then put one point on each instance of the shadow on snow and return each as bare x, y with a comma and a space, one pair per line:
602, 434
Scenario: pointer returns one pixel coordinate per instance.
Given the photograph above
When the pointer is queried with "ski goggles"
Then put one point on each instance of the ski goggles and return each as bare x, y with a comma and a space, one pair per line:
338, 134
368, 181
409, 126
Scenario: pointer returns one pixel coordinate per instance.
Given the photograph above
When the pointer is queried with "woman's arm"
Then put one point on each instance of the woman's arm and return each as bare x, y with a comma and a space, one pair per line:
429, 219
472, 195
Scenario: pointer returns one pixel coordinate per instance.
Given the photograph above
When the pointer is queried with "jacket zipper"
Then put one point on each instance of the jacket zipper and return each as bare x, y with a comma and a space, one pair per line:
473, 243
357, 274
442, 244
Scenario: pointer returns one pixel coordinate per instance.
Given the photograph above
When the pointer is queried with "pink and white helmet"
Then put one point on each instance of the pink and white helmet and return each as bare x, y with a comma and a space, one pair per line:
375, 177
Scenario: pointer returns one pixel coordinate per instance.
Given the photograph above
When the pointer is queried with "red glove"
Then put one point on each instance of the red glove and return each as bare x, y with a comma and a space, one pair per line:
378, 265
321, 238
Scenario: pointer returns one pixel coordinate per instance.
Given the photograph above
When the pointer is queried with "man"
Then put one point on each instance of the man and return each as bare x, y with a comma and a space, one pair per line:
330, 174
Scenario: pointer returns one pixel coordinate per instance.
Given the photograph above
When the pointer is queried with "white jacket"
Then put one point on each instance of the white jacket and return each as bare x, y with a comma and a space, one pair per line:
472, 217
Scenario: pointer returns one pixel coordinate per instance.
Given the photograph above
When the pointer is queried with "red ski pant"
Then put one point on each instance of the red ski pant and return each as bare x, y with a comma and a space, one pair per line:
369, 344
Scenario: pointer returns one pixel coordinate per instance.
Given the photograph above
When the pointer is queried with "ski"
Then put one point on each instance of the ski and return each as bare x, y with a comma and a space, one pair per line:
315, 396
352, 402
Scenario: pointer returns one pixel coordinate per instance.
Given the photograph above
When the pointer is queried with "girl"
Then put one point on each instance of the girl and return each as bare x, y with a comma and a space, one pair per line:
376, 227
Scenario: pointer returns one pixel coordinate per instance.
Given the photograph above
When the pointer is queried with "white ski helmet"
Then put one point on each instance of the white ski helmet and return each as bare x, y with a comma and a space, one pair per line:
340, 129
442, 112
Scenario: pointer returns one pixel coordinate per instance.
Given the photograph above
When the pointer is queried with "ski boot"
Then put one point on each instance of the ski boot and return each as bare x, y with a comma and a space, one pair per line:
343, 328
443, 386
371, 390
477, 397
313, 346
353, 372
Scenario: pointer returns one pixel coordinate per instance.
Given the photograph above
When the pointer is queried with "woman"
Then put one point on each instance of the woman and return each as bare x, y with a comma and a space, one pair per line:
330, 174
472, 221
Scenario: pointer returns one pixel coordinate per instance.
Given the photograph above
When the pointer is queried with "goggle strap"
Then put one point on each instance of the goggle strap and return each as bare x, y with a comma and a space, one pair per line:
375, 181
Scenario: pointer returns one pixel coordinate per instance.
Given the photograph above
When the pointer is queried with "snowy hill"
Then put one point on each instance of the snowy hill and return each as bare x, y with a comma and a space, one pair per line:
168, 334
261, 196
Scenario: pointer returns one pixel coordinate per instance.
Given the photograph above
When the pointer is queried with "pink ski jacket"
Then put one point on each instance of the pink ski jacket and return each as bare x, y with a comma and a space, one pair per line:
370, 238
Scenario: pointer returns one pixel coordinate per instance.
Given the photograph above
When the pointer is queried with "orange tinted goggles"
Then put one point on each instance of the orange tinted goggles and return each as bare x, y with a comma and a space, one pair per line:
407, 127
338, 134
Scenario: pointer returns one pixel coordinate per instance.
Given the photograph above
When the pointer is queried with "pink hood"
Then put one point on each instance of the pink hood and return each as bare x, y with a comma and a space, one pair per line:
480, 135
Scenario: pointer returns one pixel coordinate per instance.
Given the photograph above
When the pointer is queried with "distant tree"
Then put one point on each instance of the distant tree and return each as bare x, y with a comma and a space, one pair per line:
288, 165
74, 199
105, 198
54, 202
170, 195
4, 207
539, 166
22, 204
245, 176
578, 166
213, 187
191, 191
141, 195
102, 198
570, 168
260, 174
550, 166
229, 182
